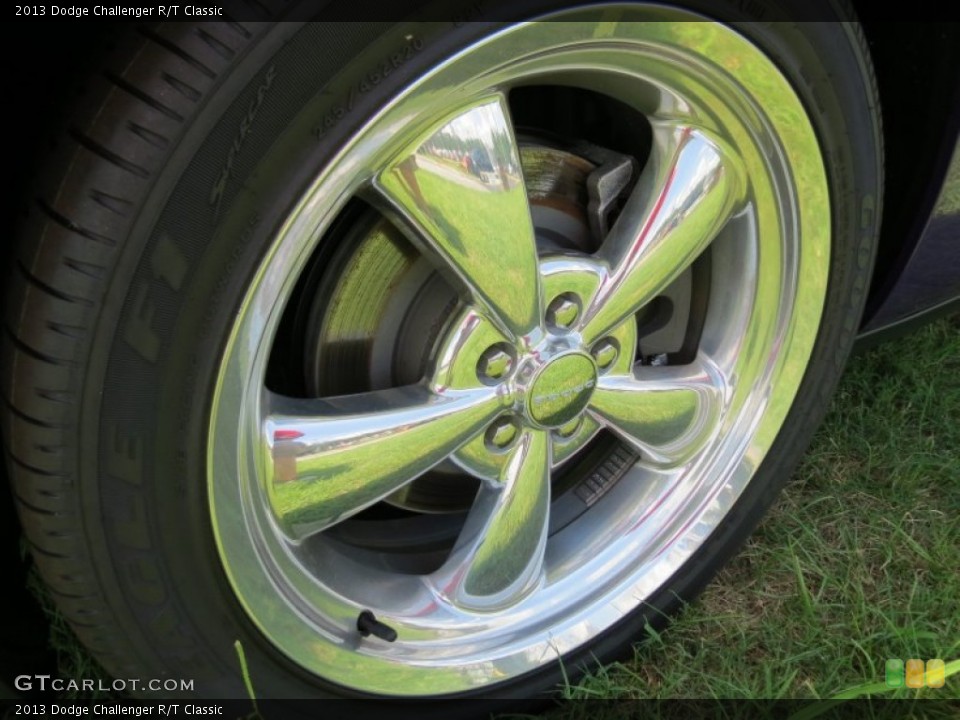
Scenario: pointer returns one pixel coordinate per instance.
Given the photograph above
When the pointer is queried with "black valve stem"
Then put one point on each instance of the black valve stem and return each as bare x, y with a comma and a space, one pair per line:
367, 624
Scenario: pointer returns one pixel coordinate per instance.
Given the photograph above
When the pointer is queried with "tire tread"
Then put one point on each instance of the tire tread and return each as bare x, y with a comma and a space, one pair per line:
121, 132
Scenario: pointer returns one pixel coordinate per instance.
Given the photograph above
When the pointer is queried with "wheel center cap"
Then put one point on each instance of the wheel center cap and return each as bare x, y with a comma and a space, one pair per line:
561, 389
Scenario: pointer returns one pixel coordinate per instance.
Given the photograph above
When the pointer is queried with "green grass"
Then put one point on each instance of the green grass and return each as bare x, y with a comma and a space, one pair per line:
858, 562
74, 662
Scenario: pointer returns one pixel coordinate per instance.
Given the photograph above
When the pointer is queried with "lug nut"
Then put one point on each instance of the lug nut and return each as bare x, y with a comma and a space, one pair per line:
563, 311
605, 353
568, 430
495, 364
502, 433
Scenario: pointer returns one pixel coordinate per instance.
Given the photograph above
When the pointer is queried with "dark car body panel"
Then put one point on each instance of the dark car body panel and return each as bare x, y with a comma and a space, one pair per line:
917, 68
930, 277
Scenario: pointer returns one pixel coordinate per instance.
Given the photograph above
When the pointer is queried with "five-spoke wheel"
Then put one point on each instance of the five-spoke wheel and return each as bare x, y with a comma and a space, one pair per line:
585, 465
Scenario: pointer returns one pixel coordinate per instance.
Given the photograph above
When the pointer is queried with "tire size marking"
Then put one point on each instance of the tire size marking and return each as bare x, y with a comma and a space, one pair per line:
367, 83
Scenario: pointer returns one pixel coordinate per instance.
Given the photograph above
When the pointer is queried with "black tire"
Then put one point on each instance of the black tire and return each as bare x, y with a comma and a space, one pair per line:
180, 163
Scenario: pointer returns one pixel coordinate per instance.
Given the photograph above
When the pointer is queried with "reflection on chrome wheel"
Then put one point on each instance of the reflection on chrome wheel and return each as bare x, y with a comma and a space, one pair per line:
566, 462
430, 360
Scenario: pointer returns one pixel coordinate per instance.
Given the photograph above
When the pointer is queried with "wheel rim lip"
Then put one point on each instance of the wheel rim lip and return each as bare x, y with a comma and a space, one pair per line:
243, 533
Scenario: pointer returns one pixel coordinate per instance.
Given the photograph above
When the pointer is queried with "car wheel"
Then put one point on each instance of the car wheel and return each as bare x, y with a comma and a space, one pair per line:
430, 360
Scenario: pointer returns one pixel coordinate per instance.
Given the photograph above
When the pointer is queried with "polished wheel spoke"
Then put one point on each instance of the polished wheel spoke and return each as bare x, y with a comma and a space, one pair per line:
531, 487
667, 413
328, 459
690, 188
499, 556
462, 191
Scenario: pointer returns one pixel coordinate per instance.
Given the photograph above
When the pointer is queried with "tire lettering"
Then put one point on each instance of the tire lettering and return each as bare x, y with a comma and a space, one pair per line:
124, 452
130, 523
246, 122
138, 331
168, 263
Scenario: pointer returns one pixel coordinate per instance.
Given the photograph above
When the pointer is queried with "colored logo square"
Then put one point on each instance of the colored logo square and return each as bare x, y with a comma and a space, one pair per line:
936, 673
894, 673
914, 673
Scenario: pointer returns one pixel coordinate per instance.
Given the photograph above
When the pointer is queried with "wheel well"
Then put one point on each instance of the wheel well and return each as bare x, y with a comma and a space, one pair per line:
919, 83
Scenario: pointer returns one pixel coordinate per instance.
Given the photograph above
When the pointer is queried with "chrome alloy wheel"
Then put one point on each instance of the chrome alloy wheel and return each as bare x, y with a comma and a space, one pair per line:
540, 353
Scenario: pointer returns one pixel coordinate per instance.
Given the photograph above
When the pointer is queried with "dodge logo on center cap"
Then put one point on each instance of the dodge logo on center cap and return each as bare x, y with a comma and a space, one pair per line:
561, 389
